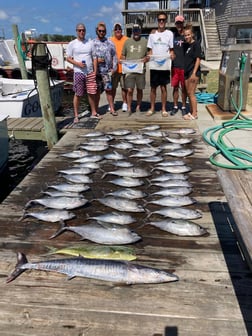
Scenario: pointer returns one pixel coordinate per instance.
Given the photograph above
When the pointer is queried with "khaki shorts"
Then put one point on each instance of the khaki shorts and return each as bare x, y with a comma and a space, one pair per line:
116, 79
133, 80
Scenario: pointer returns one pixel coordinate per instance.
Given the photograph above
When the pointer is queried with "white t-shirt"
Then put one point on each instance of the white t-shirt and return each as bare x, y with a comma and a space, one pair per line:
81, 51
160, 42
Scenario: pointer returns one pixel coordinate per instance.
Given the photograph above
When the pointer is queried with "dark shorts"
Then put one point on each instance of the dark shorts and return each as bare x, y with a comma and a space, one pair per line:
159, 77
177, 77
188, 74
84, 84
116, 79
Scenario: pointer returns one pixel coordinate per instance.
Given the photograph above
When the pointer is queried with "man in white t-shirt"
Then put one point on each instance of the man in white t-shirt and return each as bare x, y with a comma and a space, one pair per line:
160, 43
80, 54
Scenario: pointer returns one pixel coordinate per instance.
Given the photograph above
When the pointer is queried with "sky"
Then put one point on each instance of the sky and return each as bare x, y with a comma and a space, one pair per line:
61, 17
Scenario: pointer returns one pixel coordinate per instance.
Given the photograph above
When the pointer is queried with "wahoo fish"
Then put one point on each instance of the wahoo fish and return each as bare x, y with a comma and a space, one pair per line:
101, 233
121, 204
180, 227
70, 187
181, 191
129, 193
183, 152
75, 154
77, 178
127, 182
59, 203
181, 141
173, 169
112, 252
76, 170
114, 218
50, 215
177, 213
129, 172
174, 201
116, 271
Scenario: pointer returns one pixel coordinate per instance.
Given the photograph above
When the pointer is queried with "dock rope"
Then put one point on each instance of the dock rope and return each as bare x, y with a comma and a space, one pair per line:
238, 158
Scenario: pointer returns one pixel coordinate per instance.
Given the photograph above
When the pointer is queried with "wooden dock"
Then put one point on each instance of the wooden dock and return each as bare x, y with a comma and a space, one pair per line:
212, 297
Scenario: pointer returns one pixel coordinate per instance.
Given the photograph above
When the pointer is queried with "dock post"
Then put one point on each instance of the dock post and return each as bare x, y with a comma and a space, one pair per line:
43, 84
21, 61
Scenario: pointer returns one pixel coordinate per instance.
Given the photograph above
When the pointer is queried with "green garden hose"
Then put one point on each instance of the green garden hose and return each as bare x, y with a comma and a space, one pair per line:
237, 158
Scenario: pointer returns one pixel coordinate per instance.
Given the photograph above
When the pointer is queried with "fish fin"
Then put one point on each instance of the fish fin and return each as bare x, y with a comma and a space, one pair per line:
21, 260
61, 230
71, 277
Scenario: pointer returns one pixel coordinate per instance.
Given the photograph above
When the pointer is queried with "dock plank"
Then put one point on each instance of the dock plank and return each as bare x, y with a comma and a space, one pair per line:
212, 296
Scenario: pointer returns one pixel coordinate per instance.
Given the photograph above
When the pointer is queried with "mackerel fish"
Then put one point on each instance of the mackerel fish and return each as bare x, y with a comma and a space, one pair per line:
116, 271
101, 233
180, 227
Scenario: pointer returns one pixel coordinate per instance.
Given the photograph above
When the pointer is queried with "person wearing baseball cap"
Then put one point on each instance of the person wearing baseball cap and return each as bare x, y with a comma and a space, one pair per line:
177, 70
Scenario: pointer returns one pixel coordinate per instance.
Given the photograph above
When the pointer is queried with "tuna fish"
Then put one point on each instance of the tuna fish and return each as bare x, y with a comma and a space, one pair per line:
70, 187
174, 169
183, 152
50, 215
123, 145
119, 132
128, 193
181, 141
114, 218
184, 130
59, 203
180, 227
57, 193
76, 170
102, 233
177, 213
116, 271
166, 163
150, 128
127, 182
122, 164
129, 172
114, 156
169, 176
89, 158
172, 183
182, 191
92, 134
77, 178
121, 204
174, 201
97, 147
76, 154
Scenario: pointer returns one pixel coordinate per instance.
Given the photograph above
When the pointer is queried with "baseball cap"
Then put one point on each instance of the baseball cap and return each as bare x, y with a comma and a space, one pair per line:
136, 27
179, 18
117, 26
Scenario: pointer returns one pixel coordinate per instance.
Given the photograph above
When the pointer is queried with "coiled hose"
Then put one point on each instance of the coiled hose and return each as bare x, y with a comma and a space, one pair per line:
237, 158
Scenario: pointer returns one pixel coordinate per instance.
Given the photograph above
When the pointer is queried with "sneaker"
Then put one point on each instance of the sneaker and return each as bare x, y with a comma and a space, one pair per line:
174, 111
183, 110
124, 107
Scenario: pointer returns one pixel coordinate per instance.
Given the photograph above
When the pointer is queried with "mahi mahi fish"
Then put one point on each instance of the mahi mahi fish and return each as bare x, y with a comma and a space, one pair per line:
101, 233
180, 227
116, 271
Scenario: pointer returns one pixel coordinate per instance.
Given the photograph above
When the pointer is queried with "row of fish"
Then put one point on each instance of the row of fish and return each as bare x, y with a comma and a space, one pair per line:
110, 228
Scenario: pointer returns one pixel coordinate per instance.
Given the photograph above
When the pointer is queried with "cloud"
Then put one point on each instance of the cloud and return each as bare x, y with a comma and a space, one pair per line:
15, 19
58, 29
3, 15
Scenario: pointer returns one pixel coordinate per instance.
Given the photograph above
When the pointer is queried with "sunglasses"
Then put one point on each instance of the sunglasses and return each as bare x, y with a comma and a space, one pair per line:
118, 29
101, 31
161, 20
80, 30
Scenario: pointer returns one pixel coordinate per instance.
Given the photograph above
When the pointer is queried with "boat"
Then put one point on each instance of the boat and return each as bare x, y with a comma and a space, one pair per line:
19, 98
4, 146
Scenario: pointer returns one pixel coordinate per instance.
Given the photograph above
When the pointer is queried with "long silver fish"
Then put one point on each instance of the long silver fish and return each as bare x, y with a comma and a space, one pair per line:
89, 158
129, 193
178, 213
129, 172
58, 193
116, 271
127, 182
121, 204
77, 178
114, 218
181, 191
50, 215
76, 170
70, 187
75, 154
166, 163
59, 203
170, 146
180, 227
173, 169
101, 233
174, 201
172, 183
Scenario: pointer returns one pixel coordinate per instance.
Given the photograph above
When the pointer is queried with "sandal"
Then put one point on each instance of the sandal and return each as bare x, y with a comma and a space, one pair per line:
188, 116
76, 120
149, 113
164, 114
96, 116
114, 113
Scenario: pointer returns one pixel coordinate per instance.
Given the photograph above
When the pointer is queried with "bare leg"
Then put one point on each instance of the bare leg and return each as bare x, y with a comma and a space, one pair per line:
153, 94
190, 89
163, 96
139, 99
130, 98
76, 105
175, 96
92, 98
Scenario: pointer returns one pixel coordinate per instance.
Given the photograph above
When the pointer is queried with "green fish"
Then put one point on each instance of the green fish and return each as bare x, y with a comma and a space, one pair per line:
98, 252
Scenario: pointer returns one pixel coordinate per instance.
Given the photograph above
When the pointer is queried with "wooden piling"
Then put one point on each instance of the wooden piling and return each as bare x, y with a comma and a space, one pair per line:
42, 77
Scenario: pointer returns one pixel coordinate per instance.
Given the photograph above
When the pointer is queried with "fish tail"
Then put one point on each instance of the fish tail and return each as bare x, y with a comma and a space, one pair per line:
28, 204
23, 216
61, 230
21, 260
104, 174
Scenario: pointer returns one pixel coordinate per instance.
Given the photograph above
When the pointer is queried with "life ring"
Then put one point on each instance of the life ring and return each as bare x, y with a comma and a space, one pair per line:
55, 61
